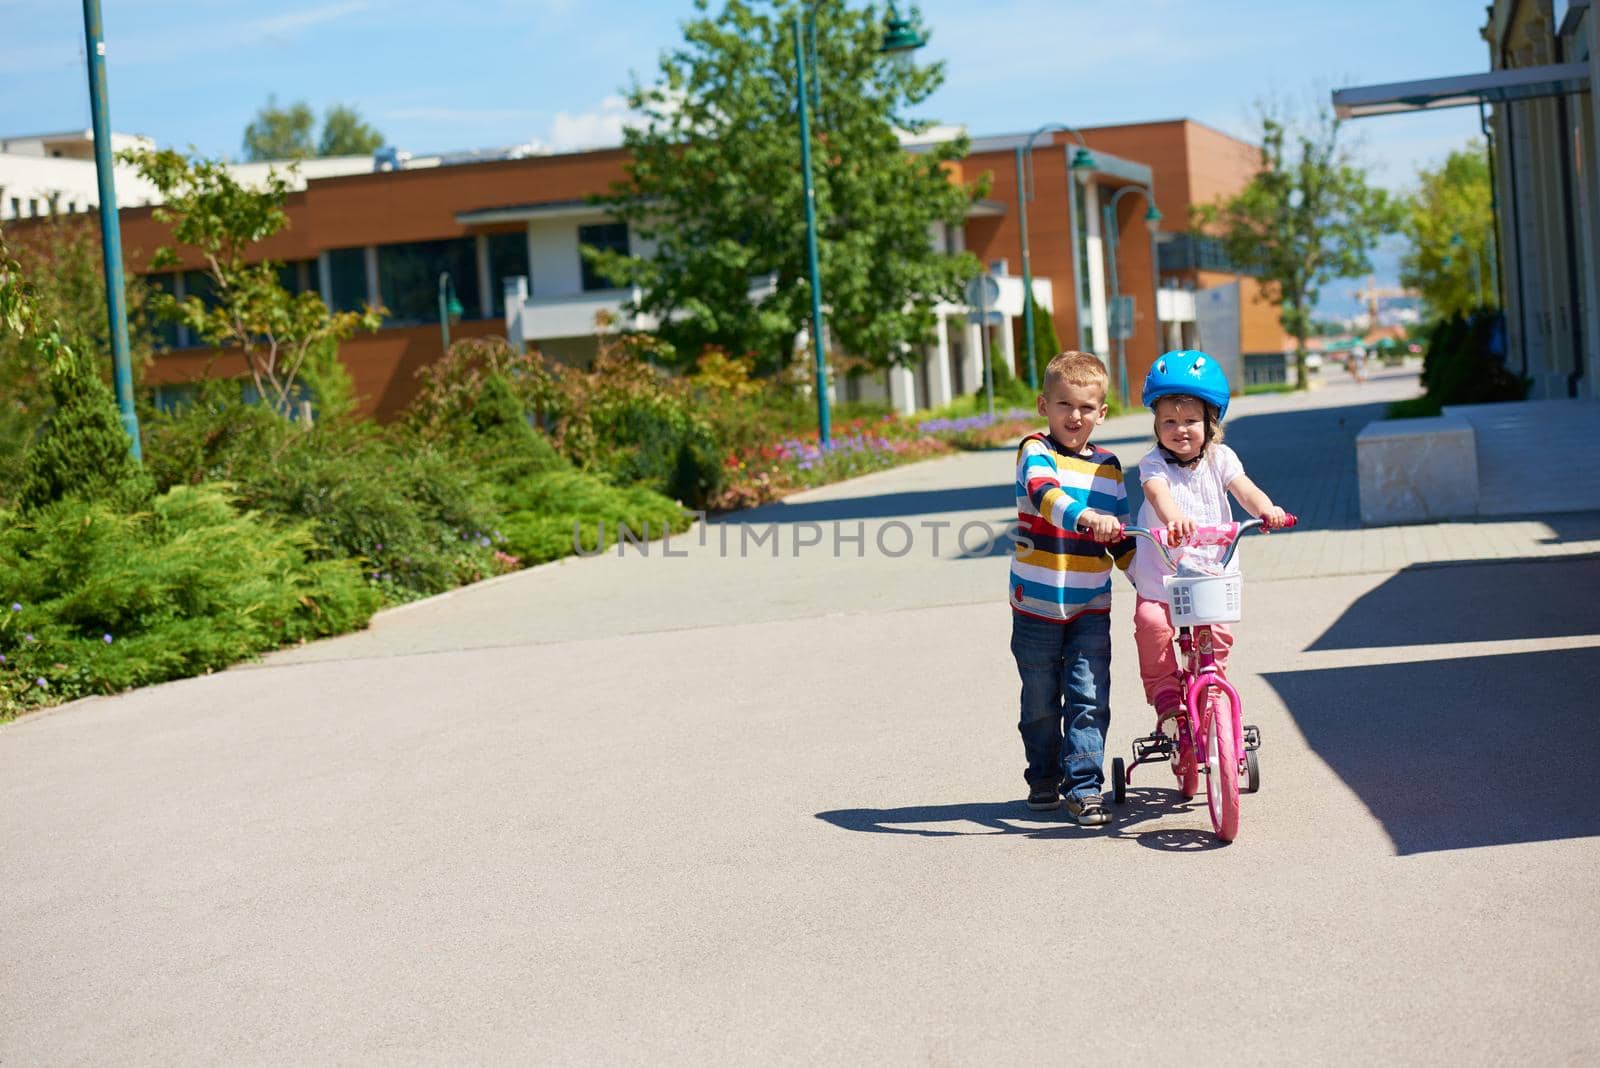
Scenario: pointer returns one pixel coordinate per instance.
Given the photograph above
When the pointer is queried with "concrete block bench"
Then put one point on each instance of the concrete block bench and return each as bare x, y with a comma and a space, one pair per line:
1417, 470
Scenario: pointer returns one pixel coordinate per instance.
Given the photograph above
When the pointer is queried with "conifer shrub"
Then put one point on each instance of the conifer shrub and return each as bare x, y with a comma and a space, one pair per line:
95, 600
562, 512
82, 449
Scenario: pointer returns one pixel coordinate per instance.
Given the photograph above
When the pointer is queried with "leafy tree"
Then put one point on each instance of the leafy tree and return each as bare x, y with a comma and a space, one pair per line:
279, 133
1449, 219
1308, 217
287, 340
286, 133
345, 134
715, 186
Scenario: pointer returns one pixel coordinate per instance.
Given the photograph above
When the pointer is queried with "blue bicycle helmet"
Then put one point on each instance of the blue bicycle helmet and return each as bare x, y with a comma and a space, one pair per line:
1189, 372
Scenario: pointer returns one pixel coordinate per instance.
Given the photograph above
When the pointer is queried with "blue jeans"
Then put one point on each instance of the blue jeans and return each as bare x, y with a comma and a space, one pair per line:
1066, 694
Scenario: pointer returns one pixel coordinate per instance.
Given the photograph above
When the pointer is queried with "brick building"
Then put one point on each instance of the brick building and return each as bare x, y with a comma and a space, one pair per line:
508, 232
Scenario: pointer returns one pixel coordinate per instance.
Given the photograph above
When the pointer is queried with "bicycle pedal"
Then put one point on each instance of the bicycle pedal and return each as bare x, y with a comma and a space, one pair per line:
1153, 747
1252, 737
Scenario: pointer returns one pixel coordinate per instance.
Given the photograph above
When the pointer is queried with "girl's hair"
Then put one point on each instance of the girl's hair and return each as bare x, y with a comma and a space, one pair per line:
1213, 424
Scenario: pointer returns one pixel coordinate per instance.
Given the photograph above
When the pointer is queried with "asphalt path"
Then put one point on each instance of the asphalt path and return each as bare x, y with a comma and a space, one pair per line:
737, 806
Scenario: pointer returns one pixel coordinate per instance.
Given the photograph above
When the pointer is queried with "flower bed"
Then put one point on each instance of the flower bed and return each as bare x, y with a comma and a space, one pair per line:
759, 474
981, 431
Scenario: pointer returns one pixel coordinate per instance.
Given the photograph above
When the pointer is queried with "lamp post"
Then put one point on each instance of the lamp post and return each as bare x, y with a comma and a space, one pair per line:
449, 310
899, 41
1152, 219
1082, 163
110, 229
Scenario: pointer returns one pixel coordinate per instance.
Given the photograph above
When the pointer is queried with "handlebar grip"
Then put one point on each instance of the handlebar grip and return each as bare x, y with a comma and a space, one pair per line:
1289, 520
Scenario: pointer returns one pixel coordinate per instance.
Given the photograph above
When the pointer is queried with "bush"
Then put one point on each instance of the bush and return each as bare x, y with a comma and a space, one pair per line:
417, 518
82, 450
1464, 361
636, 424
550, 506
93, 600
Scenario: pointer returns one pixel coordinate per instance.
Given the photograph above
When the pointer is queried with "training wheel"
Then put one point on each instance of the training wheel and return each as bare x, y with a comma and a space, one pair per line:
1119, 780
1252, 772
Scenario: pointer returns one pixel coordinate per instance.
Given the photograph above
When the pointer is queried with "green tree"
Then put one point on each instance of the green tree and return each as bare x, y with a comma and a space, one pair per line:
1308, 217
287, 340
714, 186
1449, 219
279, 133
286, 132
345, 134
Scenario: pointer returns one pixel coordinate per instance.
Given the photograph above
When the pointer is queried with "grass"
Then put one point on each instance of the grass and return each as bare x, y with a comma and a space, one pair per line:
1268, 387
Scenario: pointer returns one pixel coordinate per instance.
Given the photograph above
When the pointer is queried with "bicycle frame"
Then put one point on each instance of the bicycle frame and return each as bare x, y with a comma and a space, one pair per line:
1202, 683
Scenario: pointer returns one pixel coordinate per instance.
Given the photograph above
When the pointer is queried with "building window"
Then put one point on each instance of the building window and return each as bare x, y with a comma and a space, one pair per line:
33, 206
605, 237
347, 278
408, 277
167, 334
508, 258
298, 276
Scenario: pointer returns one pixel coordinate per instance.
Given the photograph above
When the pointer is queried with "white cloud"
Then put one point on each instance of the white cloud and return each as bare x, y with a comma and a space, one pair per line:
597, 128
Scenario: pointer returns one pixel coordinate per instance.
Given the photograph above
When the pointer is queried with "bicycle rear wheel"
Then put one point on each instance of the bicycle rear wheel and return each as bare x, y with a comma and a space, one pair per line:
1222, 769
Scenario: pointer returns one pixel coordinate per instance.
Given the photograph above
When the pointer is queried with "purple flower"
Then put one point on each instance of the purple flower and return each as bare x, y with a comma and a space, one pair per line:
41, 682
27, 637
106, 638
2, 658
15, 607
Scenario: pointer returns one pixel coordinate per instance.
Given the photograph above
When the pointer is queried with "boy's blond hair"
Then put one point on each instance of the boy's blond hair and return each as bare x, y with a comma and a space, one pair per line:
1078, 369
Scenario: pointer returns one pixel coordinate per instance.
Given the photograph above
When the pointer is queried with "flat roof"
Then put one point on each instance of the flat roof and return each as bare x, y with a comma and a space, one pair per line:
1461, 90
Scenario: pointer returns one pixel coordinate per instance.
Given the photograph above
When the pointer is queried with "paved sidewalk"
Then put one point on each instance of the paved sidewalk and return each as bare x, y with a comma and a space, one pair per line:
761, 802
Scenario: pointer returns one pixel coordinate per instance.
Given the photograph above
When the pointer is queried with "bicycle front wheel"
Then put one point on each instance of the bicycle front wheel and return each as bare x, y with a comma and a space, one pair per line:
1222, 769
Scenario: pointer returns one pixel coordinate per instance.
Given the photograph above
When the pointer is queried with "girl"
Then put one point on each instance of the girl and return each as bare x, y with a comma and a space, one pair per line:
1186, 478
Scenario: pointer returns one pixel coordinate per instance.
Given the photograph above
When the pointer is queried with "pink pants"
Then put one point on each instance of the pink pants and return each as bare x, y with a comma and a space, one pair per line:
1158, 657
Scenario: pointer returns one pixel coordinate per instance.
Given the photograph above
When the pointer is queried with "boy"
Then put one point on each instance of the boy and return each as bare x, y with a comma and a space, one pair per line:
1071, 506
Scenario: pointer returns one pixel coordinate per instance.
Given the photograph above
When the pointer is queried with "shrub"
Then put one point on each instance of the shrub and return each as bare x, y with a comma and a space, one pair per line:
94, 600
1464, 361
635, 424
548, 507
82, 450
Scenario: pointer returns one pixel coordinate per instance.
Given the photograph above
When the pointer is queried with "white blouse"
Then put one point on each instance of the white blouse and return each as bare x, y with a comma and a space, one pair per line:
1201, 492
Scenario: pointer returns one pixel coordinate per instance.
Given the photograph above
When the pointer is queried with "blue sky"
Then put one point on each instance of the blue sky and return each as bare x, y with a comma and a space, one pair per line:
478, 73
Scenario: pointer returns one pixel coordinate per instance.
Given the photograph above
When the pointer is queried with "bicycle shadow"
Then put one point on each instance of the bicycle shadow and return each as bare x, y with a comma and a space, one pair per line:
1143, 805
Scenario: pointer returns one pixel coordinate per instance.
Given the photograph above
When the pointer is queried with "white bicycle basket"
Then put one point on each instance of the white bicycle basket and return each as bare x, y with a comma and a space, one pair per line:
1198, 599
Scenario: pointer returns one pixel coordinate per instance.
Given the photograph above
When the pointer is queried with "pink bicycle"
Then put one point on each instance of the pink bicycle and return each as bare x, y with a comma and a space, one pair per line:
1206, 739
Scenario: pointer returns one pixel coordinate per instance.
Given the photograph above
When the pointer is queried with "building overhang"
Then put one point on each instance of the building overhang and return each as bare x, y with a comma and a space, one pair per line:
1462, 90
551, 209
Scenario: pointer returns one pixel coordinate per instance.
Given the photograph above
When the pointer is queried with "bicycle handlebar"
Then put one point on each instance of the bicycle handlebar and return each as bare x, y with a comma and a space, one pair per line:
1226, 534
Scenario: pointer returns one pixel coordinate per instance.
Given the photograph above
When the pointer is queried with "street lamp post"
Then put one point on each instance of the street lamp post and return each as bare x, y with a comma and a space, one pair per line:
110, 229
899, 41
1152, 219
1082, 163
450, 309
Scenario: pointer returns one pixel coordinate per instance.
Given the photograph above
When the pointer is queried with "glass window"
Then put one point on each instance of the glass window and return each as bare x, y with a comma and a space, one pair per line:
165, 332
408, 277
347, 277
607, 237
508, 257
298, 276
1081, 203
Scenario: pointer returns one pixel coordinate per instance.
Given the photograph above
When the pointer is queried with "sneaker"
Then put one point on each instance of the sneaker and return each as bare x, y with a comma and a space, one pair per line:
1088, 810
1044, 796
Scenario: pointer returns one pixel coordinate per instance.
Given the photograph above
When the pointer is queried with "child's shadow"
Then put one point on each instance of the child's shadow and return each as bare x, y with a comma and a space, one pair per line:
1142, 806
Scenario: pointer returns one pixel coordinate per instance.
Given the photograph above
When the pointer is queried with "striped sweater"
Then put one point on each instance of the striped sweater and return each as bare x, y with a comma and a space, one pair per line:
1058, 573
